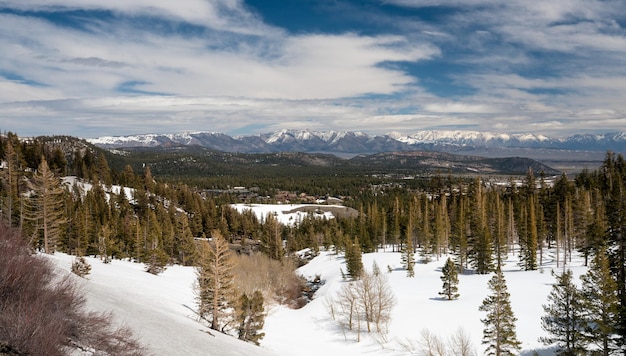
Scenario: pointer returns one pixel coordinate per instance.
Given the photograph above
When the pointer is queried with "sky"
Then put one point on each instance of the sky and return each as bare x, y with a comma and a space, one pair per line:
92, 68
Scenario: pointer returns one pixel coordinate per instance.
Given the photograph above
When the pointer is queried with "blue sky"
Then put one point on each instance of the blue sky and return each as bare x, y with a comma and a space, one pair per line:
91, 68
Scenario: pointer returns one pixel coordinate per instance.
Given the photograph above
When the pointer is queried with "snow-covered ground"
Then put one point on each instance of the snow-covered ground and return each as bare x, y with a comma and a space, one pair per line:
286, 214
419, 309
70, 181
160, 309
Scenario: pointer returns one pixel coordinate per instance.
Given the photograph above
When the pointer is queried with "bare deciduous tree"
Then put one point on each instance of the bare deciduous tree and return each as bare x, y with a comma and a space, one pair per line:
368, 300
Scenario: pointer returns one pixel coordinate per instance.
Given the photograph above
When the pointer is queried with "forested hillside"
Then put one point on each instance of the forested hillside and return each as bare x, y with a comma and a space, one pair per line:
163, 222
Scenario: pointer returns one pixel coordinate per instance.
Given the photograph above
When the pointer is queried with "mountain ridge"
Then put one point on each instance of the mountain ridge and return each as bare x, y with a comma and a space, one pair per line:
355, 142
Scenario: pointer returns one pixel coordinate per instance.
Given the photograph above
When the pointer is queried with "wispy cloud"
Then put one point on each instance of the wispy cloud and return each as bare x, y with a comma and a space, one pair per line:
96, 67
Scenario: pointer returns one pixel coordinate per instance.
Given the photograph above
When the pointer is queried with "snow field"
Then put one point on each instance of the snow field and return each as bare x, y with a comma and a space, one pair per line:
160, 309
419, 308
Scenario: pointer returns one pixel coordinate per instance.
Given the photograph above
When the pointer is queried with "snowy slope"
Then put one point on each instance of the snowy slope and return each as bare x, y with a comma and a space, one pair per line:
418, 308
159, 309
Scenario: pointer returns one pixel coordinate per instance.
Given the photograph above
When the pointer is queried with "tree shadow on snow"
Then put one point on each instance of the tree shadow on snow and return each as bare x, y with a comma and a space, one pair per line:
441, 299
548, 351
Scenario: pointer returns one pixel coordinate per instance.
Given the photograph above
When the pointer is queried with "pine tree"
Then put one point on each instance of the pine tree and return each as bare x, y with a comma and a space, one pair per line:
528, 245
46, 205
600, 305
563, 316
613, 188
408, 257
481, 253
500, 241
480, 243
354, 263
450, 280
155, 257
214, 279
271, 239
184, 240
459, 236
251, 317
10, 183
499, 334
442, 226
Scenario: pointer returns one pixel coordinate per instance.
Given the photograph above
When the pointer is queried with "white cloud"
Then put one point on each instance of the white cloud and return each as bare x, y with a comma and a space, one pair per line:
459, 108
225, 15
236, 71
292, 67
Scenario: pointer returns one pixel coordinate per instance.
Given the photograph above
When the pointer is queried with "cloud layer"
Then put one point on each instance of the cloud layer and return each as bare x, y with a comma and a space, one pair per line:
92, 68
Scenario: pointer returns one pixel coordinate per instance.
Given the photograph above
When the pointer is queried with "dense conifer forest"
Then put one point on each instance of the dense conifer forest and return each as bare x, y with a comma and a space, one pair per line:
166, 220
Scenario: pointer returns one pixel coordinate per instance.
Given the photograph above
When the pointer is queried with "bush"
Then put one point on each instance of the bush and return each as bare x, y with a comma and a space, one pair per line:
81, 267
276, 280
43, 314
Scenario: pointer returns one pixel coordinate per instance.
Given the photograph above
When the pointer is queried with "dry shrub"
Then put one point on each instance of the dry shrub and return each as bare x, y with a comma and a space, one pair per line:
43, 314
276, 280
81, 267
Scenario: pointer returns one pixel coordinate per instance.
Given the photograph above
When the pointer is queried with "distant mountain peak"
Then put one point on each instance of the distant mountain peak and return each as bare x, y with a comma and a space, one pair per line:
354, 142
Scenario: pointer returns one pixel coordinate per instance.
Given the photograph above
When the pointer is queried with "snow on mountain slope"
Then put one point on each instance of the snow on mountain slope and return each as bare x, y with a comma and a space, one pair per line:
359, 142
467, 137
160, 308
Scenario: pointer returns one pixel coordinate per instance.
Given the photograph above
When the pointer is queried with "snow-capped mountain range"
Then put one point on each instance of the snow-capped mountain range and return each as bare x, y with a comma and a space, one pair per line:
347, 142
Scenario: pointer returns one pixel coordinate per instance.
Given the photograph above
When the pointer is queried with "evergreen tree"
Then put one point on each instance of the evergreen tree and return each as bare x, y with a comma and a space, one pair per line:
499, 334
10, 183
214, 279
480, 242
354, 263
528, 244
450, 280
459, 235
251, 317
481, 251
600, 305
442, 226
155, 257
184, 240
46, 206
396, 213
104, 172
500, 240
563, 316
408, 257
613, 187
271, 239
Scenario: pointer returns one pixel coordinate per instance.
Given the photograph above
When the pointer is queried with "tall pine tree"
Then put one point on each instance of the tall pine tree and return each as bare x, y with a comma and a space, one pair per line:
450, 280
601, 306
613, 187
214, 279
251, 317
528, 244
563, 317
354, 262
46, 206
499, 334
408, 257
